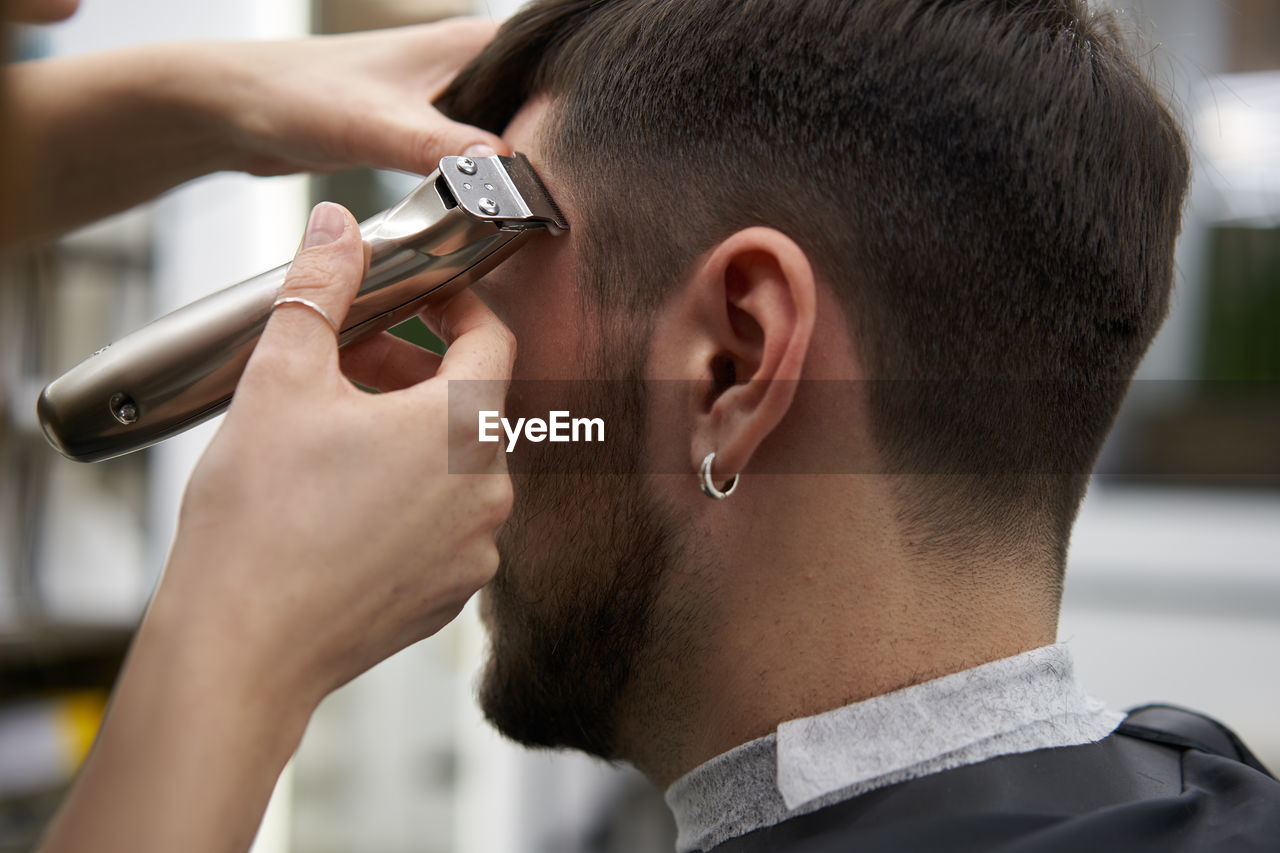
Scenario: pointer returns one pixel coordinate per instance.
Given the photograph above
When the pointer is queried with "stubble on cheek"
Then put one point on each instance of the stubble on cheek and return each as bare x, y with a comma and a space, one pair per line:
583, 556
568, 612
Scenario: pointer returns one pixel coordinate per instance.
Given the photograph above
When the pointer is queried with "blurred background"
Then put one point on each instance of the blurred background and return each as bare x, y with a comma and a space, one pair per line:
1173, 591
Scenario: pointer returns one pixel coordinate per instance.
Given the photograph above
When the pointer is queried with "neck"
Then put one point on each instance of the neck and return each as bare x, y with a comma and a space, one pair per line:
792, 626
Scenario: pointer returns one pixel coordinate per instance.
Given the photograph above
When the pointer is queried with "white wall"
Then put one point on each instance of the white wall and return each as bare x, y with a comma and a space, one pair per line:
498, 8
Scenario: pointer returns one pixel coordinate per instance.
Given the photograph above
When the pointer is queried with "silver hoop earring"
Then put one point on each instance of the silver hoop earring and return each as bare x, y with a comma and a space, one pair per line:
708, 487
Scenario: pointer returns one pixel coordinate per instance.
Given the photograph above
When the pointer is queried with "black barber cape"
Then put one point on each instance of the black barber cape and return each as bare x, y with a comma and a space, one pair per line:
1166, 781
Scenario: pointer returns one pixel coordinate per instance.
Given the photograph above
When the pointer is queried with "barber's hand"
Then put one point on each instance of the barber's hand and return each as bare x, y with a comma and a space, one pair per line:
331, 102
325, 529
108, 130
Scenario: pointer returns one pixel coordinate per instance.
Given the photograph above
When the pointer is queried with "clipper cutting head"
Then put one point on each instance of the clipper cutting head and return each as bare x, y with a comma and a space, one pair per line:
504, 190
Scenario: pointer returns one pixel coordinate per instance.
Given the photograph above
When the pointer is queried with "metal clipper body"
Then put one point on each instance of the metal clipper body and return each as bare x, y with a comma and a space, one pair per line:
461, 222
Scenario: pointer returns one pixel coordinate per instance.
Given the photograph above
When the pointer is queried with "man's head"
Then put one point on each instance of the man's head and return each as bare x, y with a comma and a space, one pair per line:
988, 192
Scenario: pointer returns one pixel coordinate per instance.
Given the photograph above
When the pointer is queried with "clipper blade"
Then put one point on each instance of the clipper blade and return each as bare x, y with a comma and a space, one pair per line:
503, 190
535, 193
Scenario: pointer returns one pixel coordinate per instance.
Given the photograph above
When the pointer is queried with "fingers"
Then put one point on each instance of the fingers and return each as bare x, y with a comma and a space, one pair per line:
388, 363
326, 272
415, 141
40, 11
478, 345
418, 147
480, 349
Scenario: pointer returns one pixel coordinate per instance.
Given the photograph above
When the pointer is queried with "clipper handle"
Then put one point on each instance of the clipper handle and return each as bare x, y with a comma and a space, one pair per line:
166, 377
183, 368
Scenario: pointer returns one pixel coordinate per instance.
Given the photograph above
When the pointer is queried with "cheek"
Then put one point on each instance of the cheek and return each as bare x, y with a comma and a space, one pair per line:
534, 294
549, 329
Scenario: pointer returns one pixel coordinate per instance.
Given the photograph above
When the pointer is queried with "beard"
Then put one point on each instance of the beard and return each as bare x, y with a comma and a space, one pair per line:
577, 627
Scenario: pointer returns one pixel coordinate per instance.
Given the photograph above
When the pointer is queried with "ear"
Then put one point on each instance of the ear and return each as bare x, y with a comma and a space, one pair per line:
751, 313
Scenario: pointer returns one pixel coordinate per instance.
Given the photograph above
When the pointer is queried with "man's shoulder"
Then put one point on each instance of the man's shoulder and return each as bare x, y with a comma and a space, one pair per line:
1166, 780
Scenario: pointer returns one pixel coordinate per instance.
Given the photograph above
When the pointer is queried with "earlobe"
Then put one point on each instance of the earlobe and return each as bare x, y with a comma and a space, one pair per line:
759, 291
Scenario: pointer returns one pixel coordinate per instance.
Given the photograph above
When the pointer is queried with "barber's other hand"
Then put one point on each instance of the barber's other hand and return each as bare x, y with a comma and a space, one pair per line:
324, 529
105, 131
332, 102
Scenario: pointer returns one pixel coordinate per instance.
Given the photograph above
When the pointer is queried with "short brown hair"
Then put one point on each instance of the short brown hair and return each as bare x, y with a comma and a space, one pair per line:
992, 188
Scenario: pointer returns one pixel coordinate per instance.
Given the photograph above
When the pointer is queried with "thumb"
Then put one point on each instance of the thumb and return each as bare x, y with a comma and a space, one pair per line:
325, 275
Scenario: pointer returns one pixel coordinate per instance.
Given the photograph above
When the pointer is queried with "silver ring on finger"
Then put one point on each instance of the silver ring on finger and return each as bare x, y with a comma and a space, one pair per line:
306, 303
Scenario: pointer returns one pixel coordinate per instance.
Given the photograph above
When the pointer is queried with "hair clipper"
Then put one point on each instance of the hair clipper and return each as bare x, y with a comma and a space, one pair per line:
460, 223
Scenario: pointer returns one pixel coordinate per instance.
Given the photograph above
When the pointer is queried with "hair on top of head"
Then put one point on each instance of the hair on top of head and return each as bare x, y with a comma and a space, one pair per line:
991, 187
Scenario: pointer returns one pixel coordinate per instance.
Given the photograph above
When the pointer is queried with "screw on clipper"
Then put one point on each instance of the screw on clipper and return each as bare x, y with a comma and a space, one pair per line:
124, 409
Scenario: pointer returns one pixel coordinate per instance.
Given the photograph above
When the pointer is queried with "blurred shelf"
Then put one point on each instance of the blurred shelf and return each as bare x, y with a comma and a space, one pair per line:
54, 657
